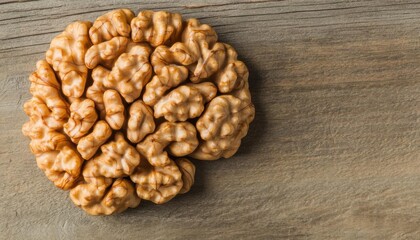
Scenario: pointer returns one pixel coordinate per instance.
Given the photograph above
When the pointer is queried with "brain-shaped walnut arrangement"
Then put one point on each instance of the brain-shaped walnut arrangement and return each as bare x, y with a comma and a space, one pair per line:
119, 105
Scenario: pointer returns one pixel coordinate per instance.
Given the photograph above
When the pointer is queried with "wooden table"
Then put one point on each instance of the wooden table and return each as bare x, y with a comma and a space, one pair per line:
333, 152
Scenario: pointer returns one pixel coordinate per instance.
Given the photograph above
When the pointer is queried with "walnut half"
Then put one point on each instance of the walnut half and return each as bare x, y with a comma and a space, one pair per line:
120, 106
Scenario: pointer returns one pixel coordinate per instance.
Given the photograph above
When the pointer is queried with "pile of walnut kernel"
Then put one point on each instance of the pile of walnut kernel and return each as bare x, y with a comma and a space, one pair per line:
117, 103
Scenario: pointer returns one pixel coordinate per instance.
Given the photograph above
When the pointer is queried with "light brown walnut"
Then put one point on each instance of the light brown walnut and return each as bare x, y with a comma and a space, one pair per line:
66, 55
89, 144
54, 154
185, 102
201, 40
113, 24
114, 109
167, 78
243, 94
62, 165
36, 109
176, 56
43, 138
47, 111
82, 118
199, 51
104, 196
118, 159
222, 127
119, 104
187, 169
188, 50
193, 54
46, 93
96, 91
156, 28
234, 74
131, 72
106, 53
157, 184
178, 138
140, 122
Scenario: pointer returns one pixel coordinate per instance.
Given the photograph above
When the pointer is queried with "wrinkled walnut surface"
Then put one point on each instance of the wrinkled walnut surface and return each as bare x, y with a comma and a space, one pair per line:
118, 104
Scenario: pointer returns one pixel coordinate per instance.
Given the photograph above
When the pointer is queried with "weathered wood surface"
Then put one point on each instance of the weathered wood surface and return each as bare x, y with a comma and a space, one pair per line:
332, 154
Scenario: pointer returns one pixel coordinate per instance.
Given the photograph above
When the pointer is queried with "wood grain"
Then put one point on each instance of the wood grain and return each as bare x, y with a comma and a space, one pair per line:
332, 154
